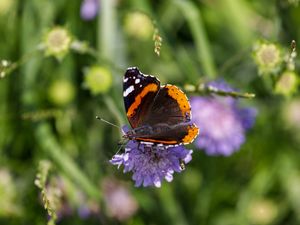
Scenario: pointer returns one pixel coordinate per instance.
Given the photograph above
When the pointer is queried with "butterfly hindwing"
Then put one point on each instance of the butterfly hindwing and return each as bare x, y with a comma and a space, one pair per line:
169, 135
169, 118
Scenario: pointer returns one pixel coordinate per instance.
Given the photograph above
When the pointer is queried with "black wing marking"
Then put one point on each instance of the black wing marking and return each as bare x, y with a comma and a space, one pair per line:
139, 91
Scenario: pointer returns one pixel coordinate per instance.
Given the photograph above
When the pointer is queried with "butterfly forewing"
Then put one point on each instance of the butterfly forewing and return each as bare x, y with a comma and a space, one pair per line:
139, 90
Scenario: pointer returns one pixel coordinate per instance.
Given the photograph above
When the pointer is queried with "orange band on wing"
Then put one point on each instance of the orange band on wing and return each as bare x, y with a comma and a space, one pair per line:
156, 141
193, 132
181, 99
138, 98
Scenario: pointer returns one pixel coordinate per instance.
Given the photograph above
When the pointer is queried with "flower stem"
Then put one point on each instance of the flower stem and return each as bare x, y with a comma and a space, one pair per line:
171, 206
15, 65
114, 110
238, 14
49, 144
205, 89
107, 29
193, 17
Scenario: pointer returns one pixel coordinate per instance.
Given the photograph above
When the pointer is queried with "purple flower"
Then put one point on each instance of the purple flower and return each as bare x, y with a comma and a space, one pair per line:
151, 164
89, 9
84, 211
86, 208
222, 123
120, 203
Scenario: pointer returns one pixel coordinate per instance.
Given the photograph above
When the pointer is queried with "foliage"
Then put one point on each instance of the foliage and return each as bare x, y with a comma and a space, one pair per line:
52, 62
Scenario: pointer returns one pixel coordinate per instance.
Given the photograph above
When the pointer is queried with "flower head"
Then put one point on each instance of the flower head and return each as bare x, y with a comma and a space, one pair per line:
268, 57
119, 201
6, 6
89, 9
88, 209
151, 164
138, 25
97, 79
262, 211
287, 83
291, 117
222, 123
61, 92
57, 42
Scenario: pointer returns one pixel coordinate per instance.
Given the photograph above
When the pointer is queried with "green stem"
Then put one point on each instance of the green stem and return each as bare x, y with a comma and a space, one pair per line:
171, 206
107, 29
238, 14
205, 89
193, 17
114, 110
15, 65
234, 60
49, 144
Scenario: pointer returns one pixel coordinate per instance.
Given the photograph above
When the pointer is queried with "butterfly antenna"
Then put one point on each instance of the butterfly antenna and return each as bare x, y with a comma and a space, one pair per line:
105, 121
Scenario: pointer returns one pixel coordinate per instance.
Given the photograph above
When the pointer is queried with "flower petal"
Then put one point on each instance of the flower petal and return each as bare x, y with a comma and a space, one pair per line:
151, 164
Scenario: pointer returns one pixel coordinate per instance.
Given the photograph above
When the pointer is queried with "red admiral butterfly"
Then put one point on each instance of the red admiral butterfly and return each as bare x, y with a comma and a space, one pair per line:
157, 114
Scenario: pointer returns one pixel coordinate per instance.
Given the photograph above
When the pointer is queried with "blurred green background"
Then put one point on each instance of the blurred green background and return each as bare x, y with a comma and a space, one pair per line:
49, 99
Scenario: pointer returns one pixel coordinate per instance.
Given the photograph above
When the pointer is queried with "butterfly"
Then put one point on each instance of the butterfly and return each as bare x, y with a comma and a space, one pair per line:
157, 114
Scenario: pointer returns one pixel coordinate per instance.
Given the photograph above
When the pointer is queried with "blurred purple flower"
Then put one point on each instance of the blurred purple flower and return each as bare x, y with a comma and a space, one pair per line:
151, 164
84, 212
222, 123
88, 209
119, 201
89, 9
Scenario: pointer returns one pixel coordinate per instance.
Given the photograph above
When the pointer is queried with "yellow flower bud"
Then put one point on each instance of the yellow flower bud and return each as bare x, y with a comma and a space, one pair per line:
268, 57
262, 211
57, 42
97, 79
61, 92
287, 83
139, 25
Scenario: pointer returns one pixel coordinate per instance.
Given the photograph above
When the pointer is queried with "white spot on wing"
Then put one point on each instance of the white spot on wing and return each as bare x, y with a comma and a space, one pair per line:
147, 143
137, 81
126, 79
128, 90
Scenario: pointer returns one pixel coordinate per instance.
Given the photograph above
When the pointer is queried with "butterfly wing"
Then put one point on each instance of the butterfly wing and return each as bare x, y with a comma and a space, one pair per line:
139, 91
169, 118
168, 135
170, 106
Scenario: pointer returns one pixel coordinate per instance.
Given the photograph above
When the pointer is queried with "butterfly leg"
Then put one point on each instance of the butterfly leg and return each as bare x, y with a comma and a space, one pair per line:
139, 144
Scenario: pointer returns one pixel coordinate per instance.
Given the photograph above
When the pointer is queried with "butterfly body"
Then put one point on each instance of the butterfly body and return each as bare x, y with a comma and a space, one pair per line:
157, 114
